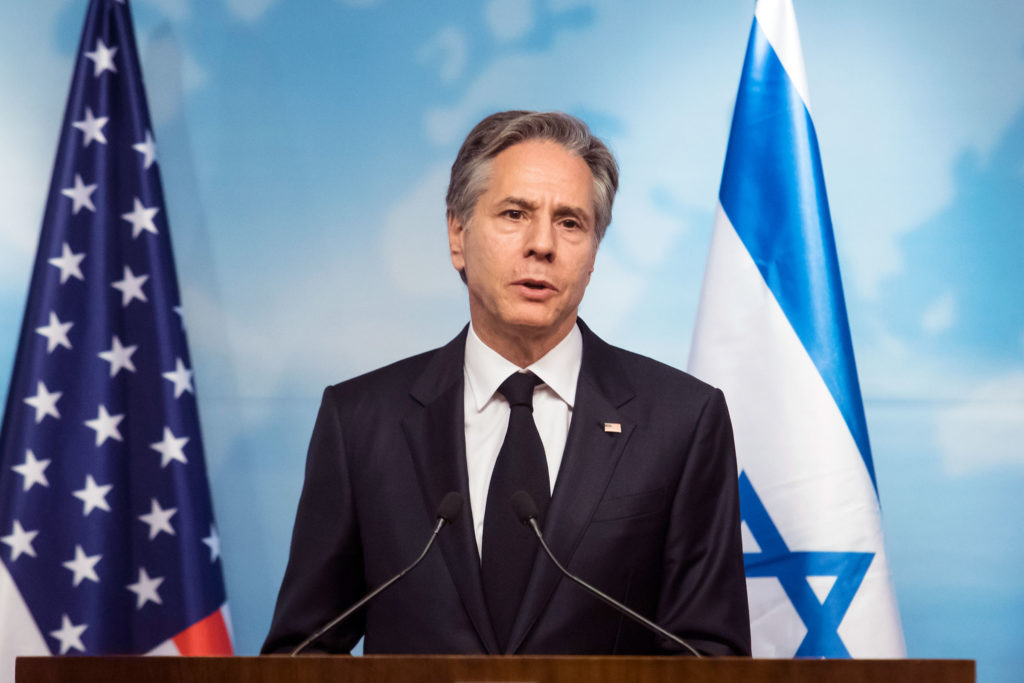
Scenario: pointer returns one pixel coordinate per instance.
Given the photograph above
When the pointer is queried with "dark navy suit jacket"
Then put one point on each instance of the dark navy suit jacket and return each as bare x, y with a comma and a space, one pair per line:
649, 514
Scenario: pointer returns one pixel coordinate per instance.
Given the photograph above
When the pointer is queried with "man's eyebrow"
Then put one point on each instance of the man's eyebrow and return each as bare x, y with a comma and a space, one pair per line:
568, 210
561, 210
520, 202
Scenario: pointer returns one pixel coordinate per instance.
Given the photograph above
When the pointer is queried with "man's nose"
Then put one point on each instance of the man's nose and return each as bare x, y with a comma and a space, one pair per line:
540, 238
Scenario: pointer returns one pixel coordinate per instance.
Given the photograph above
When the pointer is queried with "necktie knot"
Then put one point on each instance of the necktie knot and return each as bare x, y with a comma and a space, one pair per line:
518, 389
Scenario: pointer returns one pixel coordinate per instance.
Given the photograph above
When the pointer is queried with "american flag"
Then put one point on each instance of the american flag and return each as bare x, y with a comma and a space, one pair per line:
107, 532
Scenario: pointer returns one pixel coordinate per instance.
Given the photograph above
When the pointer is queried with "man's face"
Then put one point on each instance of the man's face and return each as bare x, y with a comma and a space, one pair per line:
529, 249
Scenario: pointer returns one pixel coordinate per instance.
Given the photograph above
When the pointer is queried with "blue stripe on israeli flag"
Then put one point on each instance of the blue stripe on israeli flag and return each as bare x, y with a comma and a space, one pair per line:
773, 191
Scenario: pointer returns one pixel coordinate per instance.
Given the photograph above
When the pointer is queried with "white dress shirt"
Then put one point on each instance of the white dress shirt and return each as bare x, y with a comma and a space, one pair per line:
487, 411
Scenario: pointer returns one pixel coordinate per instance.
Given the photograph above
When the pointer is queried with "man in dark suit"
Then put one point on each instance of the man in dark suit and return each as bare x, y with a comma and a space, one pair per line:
631, 461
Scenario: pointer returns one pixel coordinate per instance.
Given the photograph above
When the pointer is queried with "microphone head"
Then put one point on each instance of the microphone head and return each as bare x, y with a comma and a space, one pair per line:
524, 506
450, 507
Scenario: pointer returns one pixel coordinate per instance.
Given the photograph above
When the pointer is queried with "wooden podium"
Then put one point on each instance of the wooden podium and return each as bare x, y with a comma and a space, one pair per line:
467, 669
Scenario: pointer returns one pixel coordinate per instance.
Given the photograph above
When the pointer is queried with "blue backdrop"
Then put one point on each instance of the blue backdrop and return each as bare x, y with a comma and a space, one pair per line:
304, 148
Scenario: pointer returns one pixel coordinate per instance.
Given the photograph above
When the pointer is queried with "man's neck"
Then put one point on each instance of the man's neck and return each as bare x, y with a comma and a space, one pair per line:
523, 347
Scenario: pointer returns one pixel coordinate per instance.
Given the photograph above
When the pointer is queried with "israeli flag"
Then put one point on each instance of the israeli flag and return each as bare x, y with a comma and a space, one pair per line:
772, 332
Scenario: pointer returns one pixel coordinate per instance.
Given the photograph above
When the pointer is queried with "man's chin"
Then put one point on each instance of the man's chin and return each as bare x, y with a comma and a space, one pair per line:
524, 320
539, 326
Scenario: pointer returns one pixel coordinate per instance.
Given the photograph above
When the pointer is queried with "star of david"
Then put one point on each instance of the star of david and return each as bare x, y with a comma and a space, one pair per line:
792, 568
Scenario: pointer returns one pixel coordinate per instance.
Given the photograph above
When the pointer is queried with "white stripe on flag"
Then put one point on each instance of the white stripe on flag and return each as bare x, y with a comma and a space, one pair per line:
19, 635
778, 21
747, 347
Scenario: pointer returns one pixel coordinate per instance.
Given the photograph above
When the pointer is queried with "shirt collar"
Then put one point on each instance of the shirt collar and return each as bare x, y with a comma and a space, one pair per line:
559, 368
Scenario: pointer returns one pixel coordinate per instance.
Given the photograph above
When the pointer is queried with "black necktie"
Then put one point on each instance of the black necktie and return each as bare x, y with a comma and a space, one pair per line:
508, 545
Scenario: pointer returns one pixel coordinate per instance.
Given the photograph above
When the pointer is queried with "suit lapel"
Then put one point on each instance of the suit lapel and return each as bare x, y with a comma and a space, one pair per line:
591, 454
435, 432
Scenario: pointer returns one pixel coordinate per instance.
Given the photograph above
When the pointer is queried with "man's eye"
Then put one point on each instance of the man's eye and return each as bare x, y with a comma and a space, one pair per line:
514, 214
571, 223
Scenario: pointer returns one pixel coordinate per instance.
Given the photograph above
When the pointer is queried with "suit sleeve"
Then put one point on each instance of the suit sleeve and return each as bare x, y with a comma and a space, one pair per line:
325, 565
703, 593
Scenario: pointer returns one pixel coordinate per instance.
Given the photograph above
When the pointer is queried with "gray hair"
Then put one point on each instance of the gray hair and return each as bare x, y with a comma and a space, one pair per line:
498, 132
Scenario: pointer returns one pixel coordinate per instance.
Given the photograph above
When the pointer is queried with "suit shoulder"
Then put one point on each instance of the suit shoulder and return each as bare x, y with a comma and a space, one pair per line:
647, 374
383, 384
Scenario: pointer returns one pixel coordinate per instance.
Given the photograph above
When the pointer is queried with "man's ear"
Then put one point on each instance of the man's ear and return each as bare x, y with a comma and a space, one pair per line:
456, 237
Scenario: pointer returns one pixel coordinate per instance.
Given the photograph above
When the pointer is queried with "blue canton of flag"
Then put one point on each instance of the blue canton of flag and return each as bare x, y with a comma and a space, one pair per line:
772, 332
107, 532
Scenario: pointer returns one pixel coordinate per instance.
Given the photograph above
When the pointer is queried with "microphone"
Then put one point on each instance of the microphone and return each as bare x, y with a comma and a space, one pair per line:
447, 511
526, 511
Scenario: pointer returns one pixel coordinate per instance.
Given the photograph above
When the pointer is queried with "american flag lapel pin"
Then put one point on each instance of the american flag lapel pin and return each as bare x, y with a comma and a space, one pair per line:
612, 428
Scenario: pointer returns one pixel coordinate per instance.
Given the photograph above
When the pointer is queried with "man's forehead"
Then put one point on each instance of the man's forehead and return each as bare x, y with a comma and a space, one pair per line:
533, 147
538, 164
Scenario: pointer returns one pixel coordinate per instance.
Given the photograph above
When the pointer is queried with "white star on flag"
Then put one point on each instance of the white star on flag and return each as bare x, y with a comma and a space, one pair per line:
93, 496
92, 127
33, 470
181, 377
69, 635
81, 195
69, 264
141, 218
44, 402
131, 287
171, 448
103, 58
145, 589
213, 543
56, 333
158, 519
147, 148
105, 425
83, 566
20, 541
119, 357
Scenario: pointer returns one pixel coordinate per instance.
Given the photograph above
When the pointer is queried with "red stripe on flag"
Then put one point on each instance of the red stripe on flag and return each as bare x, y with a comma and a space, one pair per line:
206, 637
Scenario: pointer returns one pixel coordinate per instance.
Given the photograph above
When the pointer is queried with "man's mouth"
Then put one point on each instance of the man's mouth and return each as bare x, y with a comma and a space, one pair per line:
534, 285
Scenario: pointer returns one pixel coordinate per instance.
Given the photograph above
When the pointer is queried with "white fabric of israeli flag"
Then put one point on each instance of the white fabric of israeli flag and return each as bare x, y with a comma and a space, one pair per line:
772, 333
